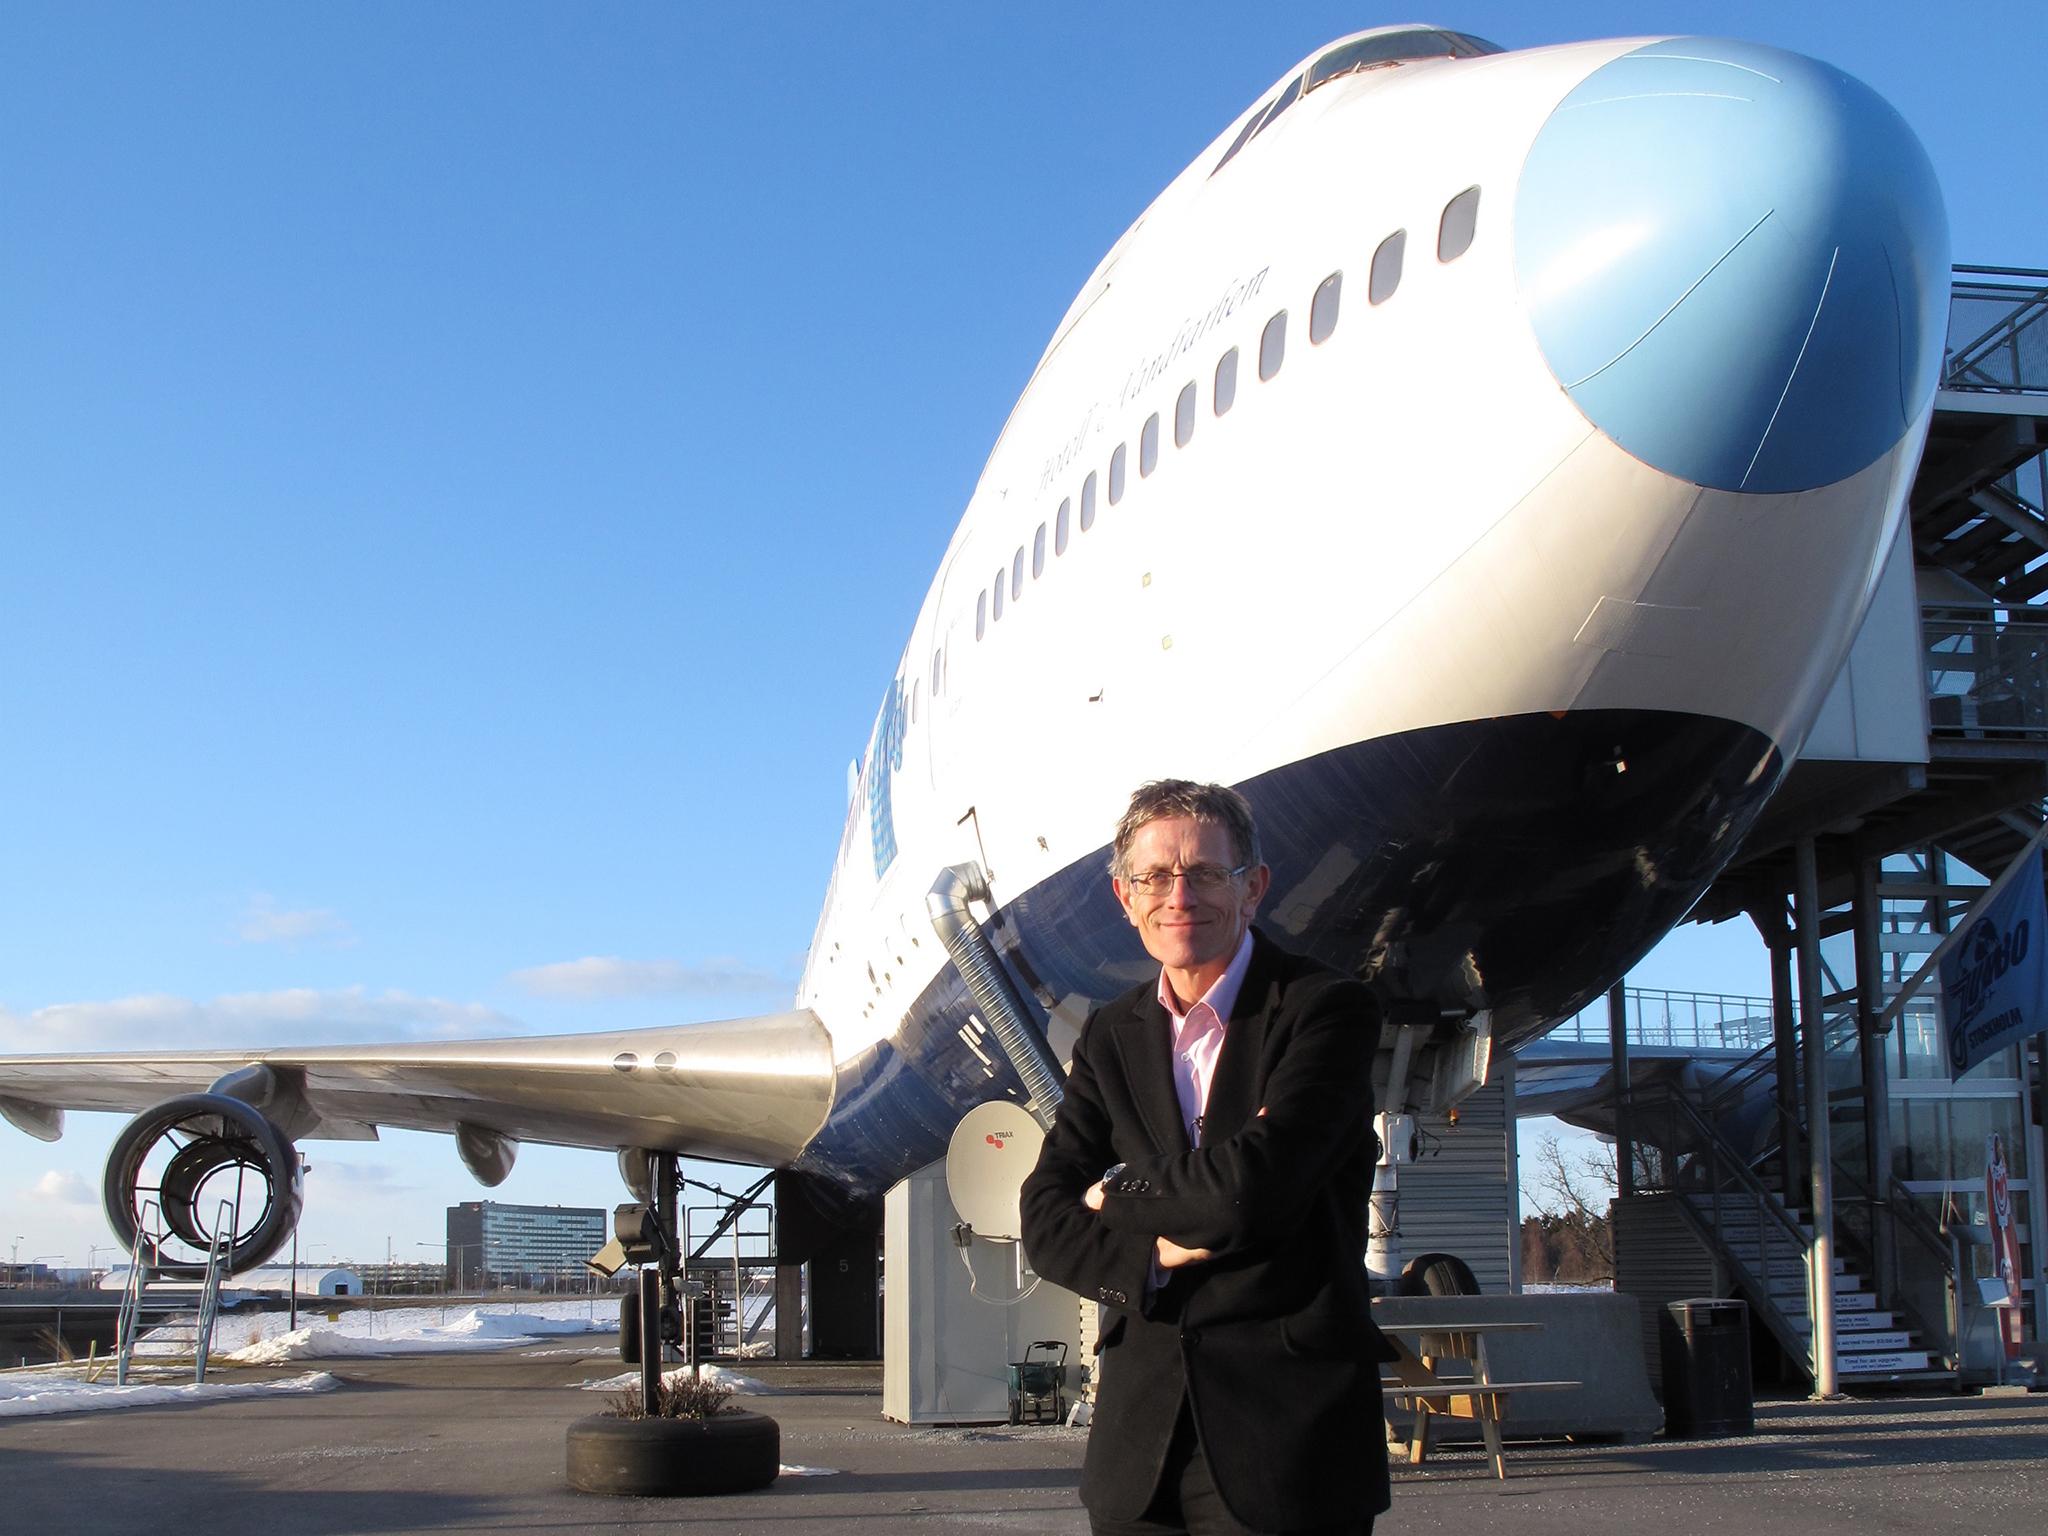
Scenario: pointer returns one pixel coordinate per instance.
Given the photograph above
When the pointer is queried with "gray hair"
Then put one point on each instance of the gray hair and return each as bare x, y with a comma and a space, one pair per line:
1217, 804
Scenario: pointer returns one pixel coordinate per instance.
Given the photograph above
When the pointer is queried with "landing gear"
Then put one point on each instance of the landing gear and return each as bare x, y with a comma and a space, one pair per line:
651, 1318
618, 1453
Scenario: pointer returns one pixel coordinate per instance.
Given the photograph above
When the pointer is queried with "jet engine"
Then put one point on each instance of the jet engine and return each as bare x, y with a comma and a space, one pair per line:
198, 1170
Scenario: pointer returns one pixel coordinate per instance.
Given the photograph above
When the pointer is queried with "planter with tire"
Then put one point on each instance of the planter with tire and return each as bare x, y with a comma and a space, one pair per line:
731, 1451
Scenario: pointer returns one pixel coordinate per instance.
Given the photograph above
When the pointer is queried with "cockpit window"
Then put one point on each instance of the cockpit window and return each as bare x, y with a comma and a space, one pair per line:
1258, 121
1392, 48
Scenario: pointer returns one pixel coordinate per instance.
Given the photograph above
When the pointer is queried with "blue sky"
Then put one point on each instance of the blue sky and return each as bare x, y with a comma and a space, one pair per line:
467, 472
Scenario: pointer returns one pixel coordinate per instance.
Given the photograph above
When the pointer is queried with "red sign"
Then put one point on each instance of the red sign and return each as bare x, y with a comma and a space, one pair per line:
2005, 1242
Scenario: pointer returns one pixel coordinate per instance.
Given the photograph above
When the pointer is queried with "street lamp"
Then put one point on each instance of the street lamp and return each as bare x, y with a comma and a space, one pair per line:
34, 1259
451, 1257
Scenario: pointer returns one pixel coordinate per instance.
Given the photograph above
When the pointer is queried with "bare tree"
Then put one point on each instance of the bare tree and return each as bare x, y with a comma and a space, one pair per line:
1571, 1239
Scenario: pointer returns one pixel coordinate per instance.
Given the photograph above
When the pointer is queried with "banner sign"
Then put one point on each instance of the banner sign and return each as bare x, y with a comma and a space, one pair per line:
2005, 1240
1994, 988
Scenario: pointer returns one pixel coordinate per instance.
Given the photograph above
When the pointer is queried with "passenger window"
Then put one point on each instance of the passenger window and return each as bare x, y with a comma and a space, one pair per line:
1184, 415
1088, 501
1460, 223
1148, 446
937, 657
1386, 268
996, 609
1017, 573
1322, 314
1273, 346
1059, 528
980, 614
1116, 476
1038, 553
1226, 381
915, 689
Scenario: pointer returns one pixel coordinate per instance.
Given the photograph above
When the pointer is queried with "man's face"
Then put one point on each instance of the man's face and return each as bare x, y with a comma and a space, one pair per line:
1185, 928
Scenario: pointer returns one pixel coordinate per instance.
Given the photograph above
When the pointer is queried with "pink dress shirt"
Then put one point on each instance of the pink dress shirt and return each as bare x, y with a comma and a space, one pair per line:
1198, 1037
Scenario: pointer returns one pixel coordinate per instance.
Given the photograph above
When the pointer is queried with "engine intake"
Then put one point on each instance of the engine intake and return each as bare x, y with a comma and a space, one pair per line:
200, 1166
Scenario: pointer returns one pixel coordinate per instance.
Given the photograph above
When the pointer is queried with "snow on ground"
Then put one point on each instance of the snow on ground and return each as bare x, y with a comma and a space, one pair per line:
254, 1338
39, 1393
581, 1352
787, 1470
405, 1331
717, 1375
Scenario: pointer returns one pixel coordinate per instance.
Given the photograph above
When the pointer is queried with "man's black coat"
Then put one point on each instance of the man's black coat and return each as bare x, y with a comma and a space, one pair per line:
1271, 1341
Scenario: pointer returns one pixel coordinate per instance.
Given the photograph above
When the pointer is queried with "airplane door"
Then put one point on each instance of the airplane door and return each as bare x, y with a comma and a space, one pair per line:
950, 633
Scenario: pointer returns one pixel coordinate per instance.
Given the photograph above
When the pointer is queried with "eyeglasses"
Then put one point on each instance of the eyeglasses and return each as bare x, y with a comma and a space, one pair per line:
1202, 879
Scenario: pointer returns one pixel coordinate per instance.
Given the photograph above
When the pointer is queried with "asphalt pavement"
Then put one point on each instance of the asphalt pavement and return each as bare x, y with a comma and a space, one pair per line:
475, 1443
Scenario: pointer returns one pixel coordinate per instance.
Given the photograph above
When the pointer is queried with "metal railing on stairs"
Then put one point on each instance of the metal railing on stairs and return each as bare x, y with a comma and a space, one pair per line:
1764, 1247
142, 1259
1997, 331
1727, 1206
145, 1261
1916, 1264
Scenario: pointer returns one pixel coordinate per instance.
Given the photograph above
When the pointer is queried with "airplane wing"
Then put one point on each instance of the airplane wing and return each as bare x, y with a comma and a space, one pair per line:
747, 1090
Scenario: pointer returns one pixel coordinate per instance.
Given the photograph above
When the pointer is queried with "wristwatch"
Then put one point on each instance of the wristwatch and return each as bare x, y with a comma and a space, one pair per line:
1109, 1174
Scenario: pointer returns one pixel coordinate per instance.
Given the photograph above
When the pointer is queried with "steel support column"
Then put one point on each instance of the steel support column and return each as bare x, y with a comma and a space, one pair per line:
2033, 1082
1617, 1045
1820, 1253
1871, 1040
789, 1311
1785, 1060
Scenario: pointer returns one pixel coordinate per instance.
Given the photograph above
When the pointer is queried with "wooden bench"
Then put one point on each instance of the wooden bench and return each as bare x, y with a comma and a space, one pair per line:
1479, 1401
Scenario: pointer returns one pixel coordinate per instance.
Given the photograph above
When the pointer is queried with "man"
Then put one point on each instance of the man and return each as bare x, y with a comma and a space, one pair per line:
1207, 1180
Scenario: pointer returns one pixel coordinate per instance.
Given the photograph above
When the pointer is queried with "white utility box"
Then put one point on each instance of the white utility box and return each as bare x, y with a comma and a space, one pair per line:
946, 1352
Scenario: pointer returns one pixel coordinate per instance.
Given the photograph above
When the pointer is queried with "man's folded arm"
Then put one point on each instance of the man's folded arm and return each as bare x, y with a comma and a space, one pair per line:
1250, 1190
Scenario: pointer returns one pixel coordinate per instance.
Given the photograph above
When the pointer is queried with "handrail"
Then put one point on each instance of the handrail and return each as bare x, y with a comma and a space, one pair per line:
1751, 1193
1744, 1175
1712, 1018
128, 1319
1942, 1250
2026, 305
1729, 1086
226, 1223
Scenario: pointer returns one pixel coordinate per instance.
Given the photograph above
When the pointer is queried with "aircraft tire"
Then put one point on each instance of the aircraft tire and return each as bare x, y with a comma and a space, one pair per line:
730, 1452
1438, 1274
629, 1328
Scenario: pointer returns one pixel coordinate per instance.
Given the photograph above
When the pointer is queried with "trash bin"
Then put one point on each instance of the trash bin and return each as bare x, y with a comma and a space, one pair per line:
1706, 1369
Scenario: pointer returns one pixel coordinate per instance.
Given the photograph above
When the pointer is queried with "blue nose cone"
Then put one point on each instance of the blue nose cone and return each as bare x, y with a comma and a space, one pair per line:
1736, 262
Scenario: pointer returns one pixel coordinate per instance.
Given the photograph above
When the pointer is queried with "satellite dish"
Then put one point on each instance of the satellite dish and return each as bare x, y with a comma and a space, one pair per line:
994, 1148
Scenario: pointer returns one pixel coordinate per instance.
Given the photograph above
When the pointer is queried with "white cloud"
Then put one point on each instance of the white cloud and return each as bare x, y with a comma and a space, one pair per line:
63, 1186
263, 921
360, 1181
610, 976
293, 1016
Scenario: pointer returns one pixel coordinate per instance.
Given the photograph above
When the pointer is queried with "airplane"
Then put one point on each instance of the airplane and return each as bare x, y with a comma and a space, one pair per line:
1482, 459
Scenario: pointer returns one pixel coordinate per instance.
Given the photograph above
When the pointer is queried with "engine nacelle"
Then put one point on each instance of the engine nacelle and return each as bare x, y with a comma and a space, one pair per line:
200, 1166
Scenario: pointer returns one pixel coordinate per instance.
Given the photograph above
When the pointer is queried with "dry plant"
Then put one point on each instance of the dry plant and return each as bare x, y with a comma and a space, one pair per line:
685, 1397
50, 1340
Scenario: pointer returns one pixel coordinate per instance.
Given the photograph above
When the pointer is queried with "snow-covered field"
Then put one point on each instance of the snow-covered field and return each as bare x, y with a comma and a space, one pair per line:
47, 1392
264, 1338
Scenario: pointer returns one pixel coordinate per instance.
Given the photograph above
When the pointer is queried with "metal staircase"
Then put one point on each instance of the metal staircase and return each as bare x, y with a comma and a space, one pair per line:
1760, 1245
145, 1265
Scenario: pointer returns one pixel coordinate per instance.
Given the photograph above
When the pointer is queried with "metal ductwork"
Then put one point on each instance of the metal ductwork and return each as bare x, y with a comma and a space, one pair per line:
1008, 1015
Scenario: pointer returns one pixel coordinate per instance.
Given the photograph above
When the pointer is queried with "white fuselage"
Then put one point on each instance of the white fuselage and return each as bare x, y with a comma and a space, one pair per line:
1409, 524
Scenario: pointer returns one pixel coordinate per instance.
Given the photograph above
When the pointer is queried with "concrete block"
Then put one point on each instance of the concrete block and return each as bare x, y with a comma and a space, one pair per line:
1591, 1337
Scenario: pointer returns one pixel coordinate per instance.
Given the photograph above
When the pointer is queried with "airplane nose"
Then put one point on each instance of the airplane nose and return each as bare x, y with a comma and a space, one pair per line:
1736, 262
